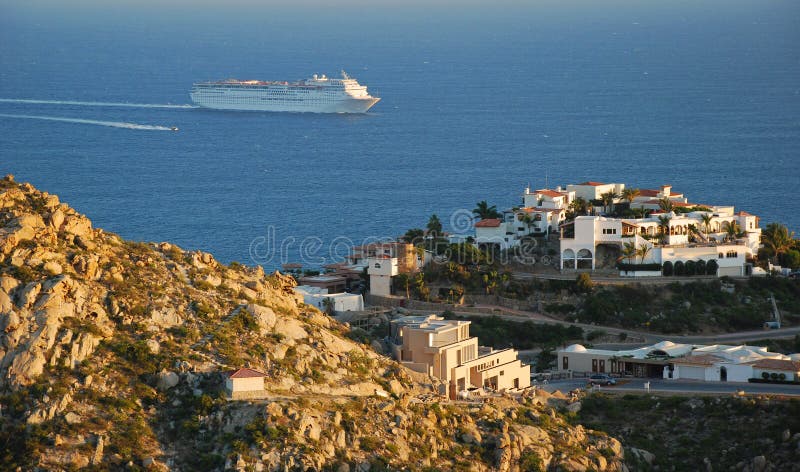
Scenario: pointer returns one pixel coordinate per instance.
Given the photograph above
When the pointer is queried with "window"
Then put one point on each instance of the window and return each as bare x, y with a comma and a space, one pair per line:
565, 363
502, 372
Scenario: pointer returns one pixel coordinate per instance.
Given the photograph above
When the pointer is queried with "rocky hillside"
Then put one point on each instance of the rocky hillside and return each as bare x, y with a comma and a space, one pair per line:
112, 356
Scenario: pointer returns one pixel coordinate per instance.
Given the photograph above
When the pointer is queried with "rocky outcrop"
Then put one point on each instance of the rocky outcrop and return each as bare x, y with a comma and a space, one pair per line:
120, 348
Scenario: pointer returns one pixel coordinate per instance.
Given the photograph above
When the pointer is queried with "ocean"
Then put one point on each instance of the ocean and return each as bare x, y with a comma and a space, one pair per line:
477, 103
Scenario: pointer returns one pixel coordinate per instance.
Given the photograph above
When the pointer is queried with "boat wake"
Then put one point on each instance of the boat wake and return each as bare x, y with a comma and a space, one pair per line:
94, 104
112, 124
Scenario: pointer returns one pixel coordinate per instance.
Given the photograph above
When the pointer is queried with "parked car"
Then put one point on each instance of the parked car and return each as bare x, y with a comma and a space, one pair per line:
602, 379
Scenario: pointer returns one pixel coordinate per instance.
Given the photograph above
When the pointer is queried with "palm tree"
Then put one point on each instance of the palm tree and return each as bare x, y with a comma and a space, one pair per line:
422, 289
608, 200
629, 251
630, 194
706, 219
490, 280
733, 230
404, 281
329, 305
663, 223
692, 233
579, 206
643, 252
777, 239
484, 211
665, 204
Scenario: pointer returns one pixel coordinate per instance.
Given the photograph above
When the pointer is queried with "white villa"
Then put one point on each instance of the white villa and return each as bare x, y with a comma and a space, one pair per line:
445, 350
591, 241
316, 296
688, 232
670, 360
541, 213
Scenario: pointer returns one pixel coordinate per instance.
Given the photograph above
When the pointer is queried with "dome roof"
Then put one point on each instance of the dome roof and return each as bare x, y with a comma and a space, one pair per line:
664, 344
795, 357
575, 348
742, 352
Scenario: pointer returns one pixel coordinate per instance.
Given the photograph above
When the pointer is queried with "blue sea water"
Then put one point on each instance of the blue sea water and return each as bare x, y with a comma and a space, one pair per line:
477, 102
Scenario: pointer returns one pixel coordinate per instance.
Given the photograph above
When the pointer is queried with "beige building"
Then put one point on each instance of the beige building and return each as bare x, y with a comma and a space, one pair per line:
244, 383
381, 269
444, 349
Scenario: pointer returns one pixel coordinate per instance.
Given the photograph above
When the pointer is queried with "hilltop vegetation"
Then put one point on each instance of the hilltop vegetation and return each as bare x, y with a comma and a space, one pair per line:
112, 356
689, 433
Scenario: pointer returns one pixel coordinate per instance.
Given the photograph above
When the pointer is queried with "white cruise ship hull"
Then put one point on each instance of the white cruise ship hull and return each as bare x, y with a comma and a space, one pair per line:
353, 105
315, 95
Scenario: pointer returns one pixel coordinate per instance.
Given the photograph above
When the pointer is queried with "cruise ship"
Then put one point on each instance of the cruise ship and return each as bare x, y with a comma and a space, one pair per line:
319, 94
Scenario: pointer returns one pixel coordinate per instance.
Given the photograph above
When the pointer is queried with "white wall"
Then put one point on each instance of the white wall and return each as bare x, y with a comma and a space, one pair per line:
247, 384
689, 372
739, 373
380, 285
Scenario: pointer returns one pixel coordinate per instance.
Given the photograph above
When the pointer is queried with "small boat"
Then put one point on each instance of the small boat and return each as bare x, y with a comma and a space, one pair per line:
173, 128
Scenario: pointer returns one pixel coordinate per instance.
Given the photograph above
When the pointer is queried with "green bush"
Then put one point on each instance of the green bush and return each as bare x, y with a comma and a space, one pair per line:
529, 461
680, 268
583, 283
594, 334
700, 267
667, 269
691, 268
711, 267
764, 375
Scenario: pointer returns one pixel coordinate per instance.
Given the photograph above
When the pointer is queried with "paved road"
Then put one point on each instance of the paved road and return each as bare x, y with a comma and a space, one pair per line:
679, 387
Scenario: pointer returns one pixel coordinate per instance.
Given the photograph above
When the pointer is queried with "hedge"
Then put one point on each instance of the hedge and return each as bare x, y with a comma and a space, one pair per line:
770, 381
639, 267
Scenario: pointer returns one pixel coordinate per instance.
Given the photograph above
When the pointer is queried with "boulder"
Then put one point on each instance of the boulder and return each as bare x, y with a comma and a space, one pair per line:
72, 418
291, 328
165, 317
84, 242
759, 464
643, 455
56, 220
53, 268
153, 346
78, 226
264, 316
167, 380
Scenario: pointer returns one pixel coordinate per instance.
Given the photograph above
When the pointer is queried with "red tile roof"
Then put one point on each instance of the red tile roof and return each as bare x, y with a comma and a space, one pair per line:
593, 184
646, 192
245, 373
674, 203
488, 223
539, 209
549, 193
777, 364
743, 213
700, 359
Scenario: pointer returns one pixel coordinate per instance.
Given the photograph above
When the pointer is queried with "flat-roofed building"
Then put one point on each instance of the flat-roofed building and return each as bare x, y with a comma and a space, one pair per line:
444, 349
